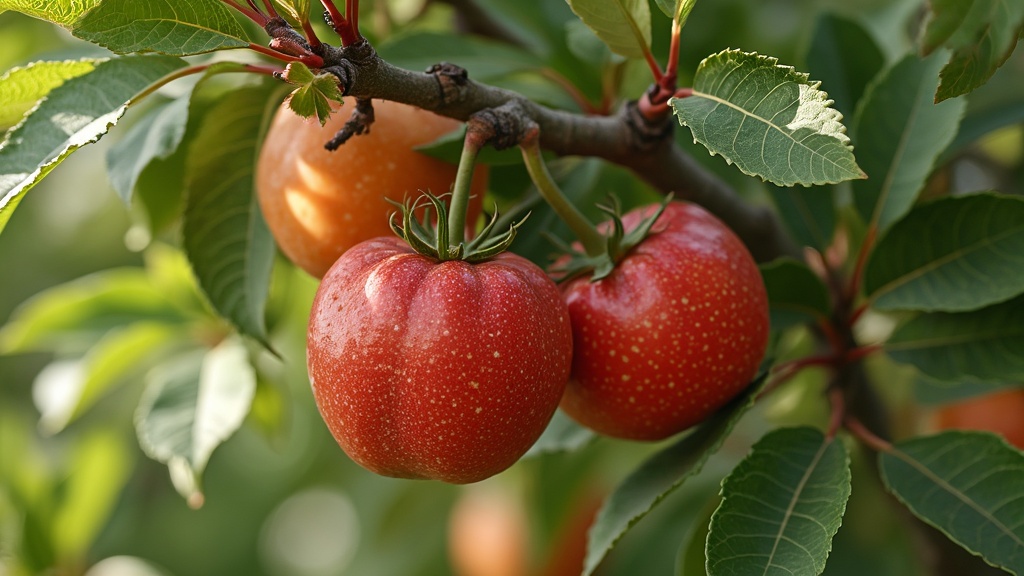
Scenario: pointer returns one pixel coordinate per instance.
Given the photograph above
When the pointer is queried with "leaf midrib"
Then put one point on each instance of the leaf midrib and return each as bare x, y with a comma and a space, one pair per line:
939, 262
777, 128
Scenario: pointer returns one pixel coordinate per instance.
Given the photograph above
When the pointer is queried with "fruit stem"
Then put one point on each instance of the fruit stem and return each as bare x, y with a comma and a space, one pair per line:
463, 182
593, 242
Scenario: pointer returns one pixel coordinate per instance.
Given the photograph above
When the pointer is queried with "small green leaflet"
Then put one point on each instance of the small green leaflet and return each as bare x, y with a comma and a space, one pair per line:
954, 254
986, 344
314, 93
62, 12
624, 25
769, 120
168, 27
76, 113
297, 11
982, 35
191, 405
966, 484
21, 88
781, 506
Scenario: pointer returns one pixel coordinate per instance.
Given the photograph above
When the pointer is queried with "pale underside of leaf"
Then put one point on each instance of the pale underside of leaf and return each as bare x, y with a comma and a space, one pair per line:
62, 12
624, 25
769, 120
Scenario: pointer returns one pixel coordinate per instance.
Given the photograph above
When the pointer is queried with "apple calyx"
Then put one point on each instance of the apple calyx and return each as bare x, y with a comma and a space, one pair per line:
617, 244
433, 240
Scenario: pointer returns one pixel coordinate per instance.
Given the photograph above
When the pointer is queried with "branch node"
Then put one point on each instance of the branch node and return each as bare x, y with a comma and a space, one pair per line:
645, 133
358, 123
451, 79
502, 127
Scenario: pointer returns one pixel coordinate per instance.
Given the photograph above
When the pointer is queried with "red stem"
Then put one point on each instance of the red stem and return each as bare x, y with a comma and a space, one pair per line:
249, 13
578, 97
311, 36
352, 12
270, 9
653, 65
838, 404
866, 436
311, 60
673, 58
862, 258
862, 352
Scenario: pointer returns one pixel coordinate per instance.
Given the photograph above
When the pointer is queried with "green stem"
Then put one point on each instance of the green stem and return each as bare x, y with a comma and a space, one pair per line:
460, 190
593, 242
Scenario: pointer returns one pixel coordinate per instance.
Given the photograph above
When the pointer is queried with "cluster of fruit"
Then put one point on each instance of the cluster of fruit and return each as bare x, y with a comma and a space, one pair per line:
451, 370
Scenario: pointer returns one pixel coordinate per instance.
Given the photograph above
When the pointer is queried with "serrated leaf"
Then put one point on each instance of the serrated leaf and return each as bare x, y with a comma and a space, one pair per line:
81, 310
484, 60
76, 113
163, 26
796, 295
781, 506
900, 132
191, 406
932, 392
624, 25
987, 344
314, 93
982, 35
966, 484
21, 88
154, 137
769, 120
808, 212
62, 12
561, 435
953, 254
844, 57
659, 476
224, 234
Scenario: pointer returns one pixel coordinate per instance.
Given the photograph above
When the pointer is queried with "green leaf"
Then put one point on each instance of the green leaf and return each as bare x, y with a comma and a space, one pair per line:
932, 392
624, 25
808, 212
561, 435
781, 506
677, 10
845, 58
164, 26
982, 35
966, 484
659, 476
795, 293
484, 60
156, 136
982, 120
899, 134
100, 467
225, 237
62, 12
769, 120
954, 254
84, 309
987, 344
21, 88
314, 93
191, 405
116, 355
297, 11
76, 113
